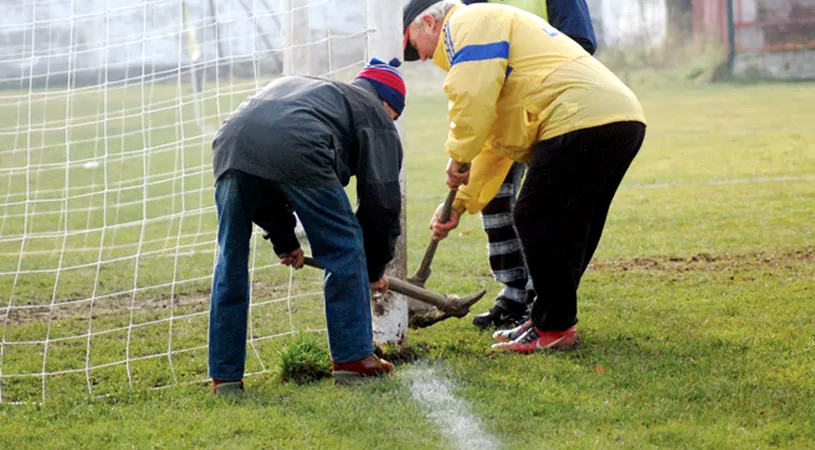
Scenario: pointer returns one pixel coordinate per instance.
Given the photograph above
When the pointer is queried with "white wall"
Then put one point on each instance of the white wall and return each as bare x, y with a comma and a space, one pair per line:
627, 23
48, 37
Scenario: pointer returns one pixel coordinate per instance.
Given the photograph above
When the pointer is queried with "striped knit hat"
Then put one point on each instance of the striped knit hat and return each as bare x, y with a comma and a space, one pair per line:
387, 81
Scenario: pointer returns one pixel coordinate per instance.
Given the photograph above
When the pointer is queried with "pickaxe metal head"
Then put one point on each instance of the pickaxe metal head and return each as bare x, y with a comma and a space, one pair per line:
446, 305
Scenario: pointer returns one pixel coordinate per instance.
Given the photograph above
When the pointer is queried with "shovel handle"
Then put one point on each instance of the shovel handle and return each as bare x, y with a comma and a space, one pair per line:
423, 272
402, 287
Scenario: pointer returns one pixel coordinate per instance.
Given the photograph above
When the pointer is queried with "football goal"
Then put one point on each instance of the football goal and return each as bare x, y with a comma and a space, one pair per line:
107, 218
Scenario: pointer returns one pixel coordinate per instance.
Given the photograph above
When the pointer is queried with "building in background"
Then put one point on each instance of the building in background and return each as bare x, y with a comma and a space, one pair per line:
764, 38
761, 38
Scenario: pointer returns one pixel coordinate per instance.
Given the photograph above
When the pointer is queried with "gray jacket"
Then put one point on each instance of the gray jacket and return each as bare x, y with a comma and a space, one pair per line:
313, 132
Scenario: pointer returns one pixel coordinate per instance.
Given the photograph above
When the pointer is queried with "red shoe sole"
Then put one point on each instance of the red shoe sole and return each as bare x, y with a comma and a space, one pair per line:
565, 343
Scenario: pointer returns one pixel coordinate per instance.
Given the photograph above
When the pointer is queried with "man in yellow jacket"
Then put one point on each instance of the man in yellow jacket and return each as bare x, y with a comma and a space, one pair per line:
511, 306
519, 90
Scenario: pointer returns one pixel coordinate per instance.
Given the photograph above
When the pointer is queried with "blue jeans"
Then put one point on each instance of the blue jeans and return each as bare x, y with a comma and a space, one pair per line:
336, 243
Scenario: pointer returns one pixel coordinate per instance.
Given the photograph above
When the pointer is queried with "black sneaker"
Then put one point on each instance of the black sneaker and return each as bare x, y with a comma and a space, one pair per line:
504, 313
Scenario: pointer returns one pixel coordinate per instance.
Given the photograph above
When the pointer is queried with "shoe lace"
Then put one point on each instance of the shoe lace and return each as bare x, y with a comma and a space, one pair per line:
516, 332
530, 335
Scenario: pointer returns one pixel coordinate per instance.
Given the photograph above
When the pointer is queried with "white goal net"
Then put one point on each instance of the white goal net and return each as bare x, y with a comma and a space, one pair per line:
107, 219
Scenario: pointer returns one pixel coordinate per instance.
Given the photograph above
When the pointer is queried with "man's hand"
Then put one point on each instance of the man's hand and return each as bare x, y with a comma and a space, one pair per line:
293, 259
457, 175
381, 285
440, 230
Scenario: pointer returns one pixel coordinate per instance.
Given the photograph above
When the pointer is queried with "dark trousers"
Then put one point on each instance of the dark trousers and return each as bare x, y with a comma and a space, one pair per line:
561, 211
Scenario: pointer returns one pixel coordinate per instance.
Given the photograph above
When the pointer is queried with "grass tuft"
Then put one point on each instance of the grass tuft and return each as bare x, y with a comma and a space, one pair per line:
304, 360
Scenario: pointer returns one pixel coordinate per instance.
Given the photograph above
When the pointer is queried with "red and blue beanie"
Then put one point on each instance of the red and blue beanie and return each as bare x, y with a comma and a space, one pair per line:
387, 81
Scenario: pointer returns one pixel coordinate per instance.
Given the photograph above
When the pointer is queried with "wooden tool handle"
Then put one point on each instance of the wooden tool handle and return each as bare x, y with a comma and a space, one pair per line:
423, 272
402, 287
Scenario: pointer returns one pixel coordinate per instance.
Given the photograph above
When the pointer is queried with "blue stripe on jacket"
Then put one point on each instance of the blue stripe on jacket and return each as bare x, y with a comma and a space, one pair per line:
448, 44
481, 52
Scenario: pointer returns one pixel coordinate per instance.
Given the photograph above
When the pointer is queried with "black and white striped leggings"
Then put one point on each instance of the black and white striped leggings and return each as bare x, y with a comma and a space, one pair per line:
506, 257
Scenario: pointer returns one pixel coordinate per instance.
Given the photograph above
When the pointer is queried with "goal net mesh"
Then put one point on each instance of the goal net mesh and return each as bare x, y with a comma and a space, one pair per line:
107, 218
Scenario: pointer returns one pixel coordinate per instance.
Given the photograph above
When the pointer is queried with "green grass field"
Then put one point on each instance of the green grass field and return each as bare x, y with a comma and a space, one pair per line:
696, 316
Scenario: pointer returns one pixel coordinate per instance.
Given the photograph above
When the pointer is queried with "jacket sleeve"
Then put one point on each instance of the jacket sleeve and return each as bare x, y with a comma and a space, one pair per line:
478, 52
279, 228
487, 174
378, 194
572, 18
283, 240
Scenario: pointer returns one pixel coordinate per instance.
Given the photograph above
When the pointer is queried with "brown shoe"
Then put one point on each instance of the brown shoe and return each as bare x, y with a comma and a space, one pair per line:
227, 388
370, 366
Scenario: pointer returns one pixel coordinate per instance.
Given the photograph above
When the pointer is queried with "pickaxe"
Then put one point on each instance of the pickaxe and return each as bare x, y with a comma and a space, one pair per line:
419, 278
447, 305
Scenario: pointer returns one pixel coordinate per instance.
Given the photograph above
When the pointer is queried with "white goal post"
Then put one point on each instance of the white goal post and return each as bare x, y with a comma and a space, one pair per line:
107, 218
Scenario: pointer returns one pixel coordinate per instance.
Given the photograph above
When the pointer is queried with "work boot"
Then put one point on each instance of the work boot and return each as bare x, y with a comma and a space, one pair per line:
227, 388
512, 333
504, 313
536, 339
370, 366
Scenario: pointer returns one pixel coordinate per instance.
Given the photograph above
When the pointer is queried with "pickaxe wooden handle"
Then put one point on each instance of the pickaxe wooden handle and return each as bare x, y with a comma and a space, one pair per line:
450, 304
419, 278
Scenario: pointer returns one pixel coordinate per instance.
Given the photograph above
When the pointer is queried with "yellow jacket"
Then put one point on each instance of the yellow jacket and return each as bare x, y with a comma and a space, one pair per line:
512, 81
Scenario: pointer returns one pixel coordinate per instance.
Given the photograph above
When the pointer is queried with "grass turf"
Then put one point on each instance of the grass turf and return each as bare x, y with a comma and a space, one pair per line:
696, 316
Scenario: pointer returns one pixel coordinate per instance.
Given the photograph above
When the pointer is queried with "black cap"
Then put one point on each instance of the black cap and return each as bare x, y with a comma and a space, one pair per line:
409, 14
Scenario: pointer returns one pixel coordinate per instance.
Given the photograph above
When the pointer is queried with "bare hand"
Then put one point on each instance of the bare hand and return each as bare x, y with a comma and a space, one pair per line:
455, 176
381, 285
440, 230
293, 259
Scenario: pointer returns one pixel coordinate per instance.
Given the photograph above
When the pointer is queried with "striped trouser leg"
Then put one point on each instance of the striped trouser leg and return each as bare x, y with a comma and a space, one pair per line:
506, 258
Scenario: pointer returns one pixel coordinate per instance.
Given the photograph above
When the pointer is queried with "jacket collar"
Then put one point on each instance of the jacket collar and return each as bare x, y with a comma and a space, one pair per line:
440, 57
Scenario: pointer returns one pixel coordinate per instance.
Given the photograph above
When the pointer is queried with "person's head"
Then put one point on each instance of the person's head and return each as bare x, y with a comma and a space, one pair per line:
422, 21
388, 83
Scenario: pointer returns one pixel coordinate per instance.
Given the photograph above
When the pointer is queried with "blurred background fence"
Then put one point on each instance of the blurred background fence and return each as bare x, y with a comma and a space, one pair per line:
55, 42
62, 43
744, 38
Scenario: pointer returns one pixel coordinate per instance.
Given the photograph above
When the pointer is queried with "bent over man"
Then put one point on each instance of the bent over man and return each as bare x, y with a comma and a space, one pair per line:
570, 17
292, 148
521, 91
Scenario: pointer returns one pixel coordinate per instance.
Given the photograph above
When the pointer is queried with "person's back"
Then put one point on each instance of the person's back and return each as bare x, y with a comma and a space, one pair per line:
546, 86
550, 74
571, 17
299, 130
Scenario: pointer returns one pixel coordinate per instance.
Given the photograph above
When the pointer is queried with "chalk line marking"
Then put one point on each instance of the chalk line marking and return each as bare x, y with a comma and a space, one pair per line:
720, 182
674, 184
435, 394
